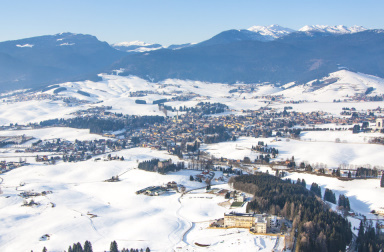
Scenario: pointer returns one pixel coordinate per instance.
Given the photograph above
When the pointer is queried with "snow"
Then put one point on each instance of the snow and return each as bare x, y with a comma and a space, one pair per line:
115, 91
363, 194
132, 43
344, 83
33, 111
337, 29
78, 190
322, 151
66, 133
139, 46
272, 31
235, 239
67, 44
168, 222
25, 45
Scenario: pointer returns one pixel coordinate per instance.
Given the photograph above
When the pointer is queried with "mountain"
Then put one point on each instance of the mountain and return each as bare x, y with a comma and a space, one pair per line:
338, 29
177, 47
260, 54
233, 56
139, 46
136, 46
271, 32
44, 60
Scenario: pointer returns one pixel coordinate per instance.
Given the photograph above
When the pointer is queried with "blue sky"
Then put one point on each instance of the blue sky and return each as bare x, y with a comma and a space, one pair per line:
176, 21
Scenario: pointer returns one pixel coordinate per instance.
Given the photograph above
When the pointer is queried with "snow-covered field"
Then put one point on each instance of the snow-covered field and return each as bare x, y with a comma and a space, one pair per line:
83, 207
313, 150
365, 195
116, 91
343, 84
79, 193
70, 134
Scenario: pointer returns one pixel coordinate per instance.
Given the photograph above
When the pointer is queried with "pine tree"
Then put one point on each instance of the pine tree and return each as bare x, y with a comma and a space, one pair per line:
45, 249
360, 235
147, 249
113, 247
88, 246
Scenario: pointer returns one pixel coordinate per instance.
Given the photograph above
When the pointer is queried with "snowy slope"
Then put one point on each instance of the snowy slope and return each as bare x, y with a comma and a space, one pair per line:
337, 29
136, 46
338, 85
271, 32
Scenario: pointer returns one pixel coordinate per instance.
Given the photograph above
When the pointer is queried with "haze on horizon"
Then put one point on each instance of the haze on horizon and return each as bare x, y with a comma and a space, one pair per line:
176, 22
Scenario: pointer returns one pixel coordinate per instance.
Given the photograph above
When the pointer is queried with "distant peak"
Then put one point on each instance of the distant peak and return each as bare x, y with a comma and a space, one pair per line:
272, 31
337, 29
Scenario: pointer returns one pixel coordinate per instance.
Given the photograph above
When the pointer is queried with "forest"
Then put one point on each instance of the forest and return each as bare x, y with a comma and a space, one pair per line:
99, 125
162, 167
318, 228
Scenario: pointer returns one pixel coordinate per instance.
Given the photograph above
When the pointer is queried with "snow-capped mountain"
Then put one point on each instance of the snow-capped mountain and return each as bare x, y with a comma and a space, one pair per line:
136, 46
271, 32
337, 29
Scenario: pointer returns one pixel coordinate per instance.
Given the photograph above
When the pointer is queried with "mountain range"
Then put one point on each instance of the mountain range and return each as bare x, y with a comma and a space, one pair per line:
258, 54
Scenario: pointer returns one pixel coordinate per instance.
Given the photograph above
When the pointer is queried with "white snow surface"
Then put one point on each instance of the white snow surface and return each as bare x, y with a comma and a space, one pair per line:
25, 45
364, 195
272, 31
337, 29
138, 221
66, 133
131, 43
343, 83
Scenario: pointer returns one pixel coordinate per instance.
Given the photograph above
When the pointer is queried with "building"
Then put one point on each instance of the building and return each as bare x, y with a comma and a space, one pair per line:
258, 222
379, 123
240, 220
261, 224
380, 211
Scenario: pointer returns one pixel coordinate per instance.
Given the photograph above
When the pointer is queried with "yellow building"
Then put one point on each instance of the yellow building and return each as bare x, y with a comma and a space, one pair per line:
240, 220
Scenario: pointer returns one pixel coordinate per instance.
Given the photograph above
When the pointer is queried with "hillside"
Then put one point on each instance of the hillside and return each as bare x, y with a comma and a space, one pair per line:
44, 60
299, 56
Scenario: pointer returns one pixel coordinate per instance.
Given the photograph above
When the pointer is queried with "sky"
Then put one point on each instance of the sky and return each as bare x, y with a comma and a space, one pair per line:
176, 21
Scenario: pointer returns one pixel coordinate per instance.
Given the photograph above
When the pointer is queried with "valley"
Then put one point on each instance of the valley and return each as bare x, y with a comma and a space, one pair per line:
214, 126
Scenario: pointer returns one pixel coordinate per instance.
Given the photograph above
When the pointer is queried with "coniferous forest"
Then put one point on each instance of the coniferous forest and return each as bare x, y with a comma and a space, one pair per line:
318, 228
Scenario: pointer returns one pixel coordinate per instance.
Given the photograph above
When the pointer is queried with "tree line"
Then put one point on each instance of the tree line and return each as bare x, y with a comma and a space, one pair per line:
318, 228
77, 247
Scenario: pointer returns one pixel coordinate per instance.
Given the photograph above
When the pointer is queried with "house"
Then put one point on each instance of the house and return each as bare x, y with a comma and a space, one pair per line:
380, 211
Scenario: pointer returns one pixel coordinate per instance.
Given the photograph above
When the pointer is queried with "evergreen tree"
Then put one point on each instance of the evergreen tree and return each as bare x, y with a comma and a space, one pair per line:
88, 246
382, 180
316, 189
147, 250
360, 235
45, 249
113, 247
329, 196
